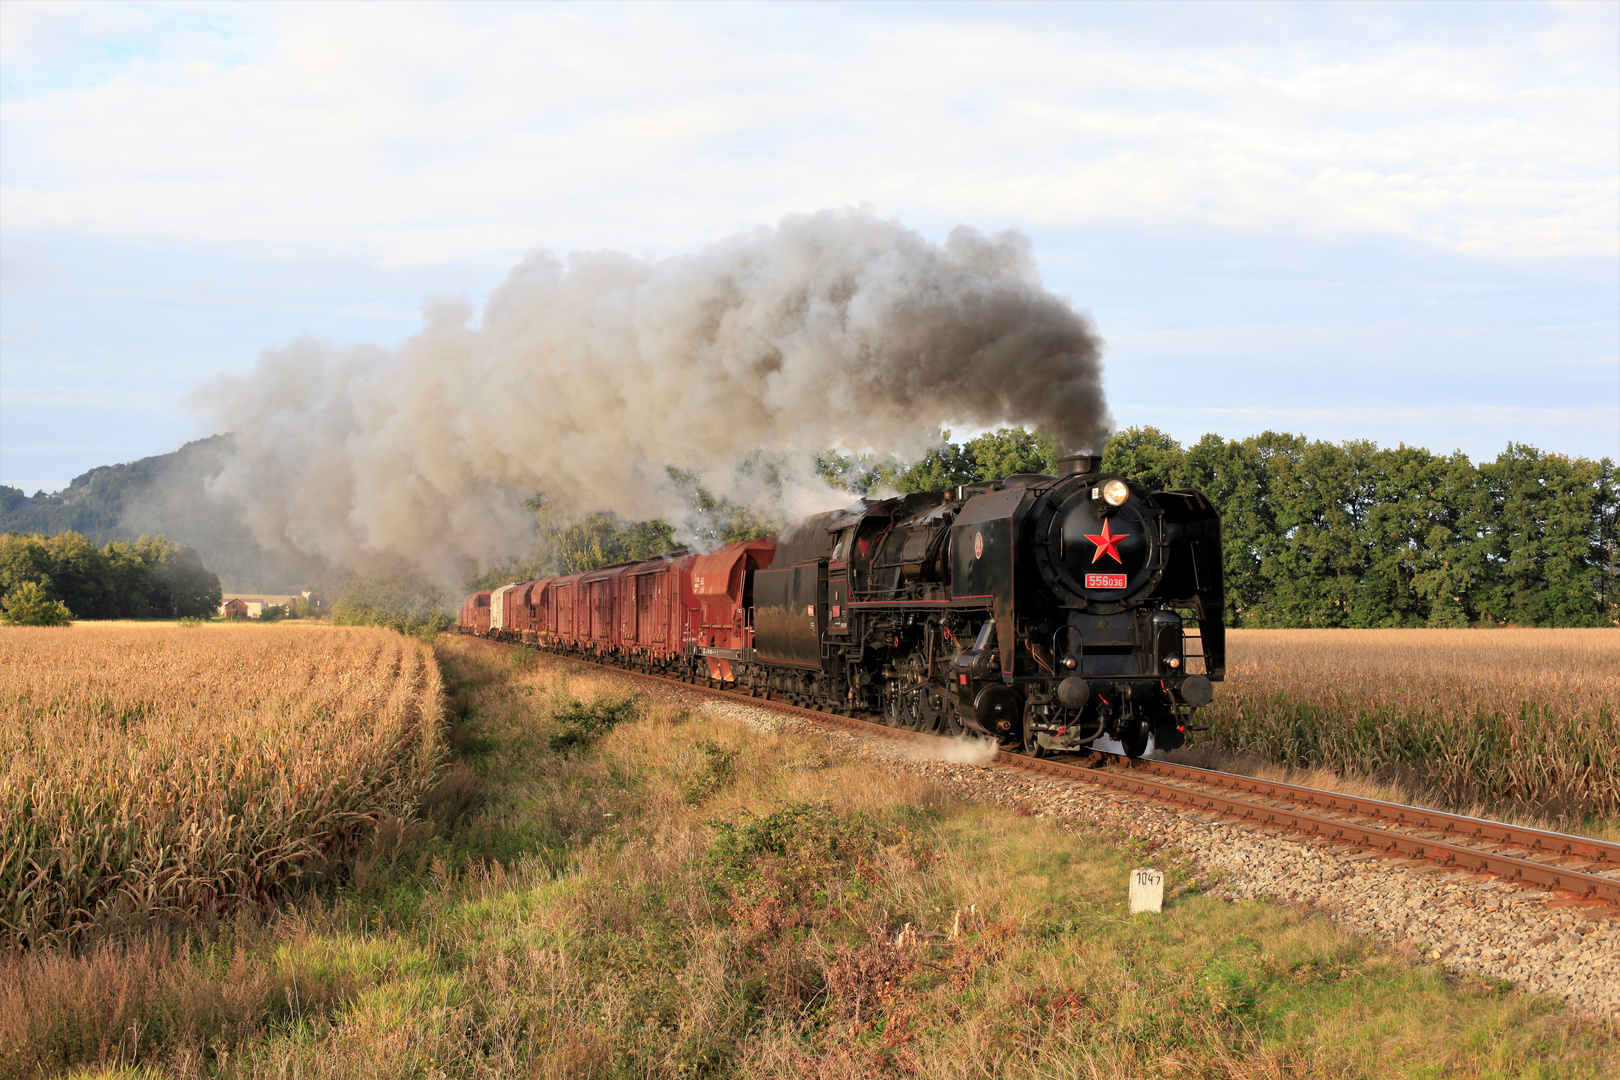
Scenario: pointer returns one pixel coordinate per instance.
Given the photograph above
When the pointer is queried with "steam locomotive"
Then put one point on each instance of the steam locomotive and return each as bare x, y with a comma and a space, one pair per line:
1045, 612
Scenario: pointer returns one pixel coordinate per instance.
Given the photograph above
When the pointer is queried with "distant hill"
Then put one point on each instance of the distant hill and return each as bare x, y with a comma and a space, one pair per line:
164, 494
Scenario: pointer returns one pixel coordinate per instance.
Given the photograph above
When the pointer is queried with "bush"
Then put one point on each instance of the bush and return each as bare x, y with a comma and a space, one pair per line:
582, 725
28, 605
399, 602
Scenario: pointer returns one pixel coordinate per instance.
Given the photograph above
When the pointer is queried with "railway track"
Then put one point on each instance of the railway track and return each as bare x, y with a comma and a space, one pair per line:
1587, 871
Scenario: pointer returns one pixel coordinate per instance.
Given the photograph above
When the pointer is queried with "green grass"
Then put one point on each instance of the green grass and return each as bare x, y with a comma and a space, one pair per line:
670, 896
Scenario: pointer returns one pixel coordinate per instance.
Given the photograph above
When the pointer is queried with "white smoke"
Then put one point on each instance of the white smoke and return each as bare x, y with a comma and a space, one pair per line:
588, 377
957, 750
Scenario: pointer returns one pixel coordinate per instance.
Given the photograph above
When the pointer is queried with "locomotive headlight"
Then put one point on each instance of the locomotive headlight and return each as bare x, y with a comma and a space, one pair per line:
1115, 492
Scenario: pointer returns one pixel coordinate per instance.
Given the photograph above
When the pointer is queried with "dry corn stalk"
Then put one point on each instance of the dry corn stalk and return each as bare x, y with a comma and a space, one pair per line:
166, 770
1529, 717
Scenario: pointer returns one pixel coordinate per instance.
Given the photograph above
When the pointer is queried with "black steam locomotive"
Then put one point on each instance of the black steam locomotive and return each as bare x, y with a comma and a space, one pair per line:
1046, 612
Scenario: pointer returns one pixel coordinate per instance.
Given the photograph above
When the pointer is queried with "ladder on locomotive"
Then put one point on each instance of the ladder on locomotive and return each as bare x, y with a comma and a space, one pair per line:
1192, 651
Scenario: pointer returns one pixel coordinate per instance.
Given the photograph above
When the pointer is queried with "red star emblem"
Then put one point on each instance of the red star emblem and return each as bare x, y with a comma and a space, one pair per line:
1108, 544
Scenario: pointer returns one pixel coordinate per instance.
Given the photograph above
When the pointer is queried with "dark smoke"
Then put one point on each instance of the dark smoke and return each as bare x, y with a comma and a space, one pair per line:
589, 377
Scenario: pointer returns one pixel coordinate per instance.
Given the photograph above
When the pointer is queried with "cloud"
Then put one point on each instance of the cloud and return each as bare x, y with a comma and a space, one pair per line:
1479, 430
417, 133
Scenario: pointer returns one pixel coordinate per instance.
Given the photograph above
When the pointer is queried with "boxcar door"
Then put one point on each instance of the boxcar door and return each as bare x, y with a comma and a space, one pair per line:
629, 626
601, 610
649, 627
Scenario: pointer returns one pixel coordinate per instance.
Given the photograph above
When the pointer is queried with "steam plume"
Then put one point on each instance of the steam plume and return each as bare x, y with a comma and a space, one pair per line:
587, 377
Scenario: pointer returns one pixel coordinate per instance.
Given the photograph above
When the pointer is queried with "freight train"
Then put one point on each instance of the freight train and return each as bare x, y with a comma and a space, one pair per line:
1044, 612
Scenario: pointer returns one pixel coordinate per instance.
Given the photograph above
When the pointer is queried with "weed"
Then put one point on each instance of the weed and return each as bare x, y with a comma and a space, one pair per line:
581, 724
714, 773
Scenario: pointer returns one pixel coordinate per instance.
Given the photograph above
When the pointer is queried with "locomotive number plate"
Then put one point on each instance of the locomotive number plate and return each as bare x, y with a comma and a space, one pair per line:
1105, 581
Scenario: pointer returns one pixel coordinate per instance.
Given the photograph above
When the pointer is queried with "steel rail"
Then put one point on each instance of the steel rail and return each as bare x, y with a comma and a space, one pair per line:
1440, 852
1443, 854
1453, 826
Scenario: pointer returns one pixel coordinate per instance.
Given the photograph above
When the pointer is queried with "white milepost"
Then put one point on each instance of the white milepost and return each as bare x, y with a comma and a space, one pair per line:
1147, 890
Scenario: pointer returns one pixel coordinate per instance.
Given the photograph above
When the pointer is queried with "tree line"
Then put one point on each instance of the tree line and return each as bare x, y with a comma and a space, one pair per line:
43, 579
1317, 534
1357, 535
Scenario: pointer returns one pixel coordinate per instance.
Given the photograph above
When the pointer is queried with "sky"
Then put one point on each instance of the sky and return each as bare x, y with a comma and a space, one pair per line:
1398, 222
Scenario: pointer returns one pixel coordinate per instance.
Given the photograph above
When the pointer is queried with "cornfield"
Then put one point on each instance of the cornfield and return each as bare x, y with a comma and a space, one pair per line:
1526, 718
171, 771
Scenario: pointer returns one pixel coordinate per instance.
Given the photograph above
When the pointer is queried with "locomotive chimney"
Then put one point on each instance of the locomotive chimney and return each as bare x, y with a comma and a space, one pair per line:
1078, 464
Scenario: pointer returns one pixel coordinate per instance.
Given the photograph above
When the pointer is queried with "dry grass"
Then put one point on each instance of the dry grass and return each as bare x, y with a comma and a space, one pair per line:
669, 895
1524, 721
169, 771
757, 906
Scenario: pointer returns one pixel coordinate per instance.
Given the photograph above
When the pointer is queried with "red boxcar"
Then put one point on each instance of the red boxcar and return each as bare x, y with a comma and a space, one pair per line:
679, 610
521, 614
557, 604
474, 617
597, 590
722, 585
650, 608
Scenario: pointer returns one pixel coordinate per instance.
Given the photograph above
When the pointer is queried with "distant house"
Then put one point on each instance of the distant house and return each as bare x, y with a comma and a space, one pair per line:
252, 606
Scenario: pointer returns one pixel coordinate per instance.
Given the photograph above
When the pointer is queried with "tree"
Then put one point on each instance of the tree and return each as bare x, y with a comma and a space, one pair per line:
1546, 515
712, 520
401, 600
181, 586
1010, 451
28, 605
942, 466
145, 578
993, 455
1233, 476
1451, 565
1148, 456
79, 577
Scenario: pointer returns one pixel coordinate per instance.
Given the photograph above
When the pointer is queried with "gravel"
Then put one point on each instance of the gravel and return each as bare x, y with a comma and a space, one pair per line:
1464, 922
